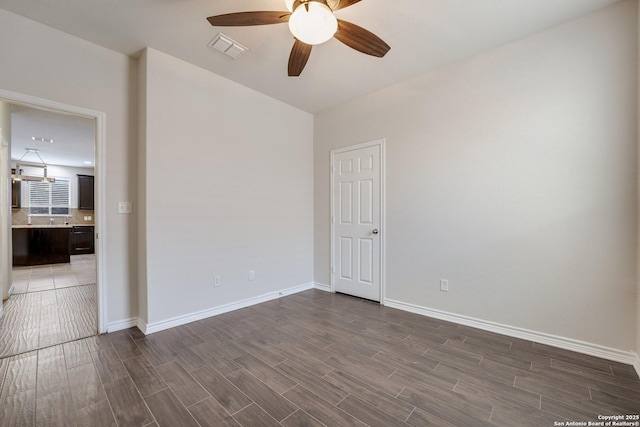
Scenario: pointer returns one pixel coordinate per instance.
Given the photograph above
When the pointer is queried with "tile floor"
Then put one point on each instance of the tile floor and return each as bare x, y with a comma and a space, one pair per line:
80, 271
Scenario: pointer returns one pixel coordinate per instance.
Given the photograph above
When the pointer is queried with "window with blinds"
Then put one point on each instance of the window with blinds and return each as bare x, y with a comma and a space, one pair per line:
49, 198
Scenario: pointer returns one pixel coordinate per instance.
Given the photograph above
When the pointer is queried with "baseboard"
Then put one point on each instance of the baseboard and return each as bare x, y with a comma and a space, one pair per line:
11, 290
322, 287
596, 350
122, 324
141, 325
210, 312
636, 364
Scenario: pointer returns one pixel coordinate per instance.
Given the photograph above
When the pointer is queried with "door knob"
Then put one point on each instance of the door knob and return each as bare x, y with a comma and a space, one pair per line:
375, 231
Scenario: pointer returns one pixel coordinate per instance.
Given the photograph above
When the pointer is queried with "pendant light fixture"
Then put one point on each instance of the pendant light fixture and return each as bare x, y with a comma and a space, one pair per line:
17, 173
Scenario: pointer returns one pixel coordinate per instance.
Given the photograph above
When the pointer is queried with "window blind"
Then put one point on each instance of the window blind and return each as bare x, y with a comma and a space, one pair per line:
49, 198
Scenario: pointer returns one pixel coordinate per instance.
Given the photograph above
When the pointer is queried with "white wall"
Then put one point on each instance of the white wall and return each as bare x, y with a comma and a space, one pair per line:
5, 200
512, 175
142, 188
228, 190
637, 364
40, 61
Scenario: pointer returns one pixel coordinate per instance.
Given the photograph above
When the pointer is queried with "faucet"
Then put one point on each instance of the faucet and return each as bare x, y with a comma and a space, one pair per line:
50, 221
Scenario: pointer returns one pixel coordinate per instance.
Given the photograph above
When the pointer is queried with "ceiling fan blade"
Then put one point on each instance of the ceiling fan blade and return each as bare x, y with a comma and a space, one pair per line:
244, 19
360, 39
298, 57
345, 3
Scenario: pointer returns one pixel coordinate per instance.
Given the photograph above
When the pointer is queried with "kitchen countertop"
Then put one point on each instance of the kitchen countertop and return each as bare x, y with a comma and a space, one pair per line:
52, 226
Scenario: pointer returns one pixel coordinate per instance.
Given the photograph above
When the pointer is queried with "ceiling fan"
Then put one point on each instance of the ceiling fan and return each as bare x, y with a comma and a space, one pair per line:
311, 22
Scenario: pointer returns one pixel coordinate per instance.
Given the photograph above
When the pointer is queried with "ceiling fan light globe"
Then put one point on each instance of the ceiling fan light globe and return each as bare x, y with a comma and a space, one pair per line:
289, 4
314, 26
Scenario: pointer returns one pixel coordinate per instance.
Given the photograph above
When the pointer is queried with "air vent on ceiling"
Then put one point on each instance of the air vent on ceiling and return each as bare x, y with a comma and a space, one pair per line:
227, 45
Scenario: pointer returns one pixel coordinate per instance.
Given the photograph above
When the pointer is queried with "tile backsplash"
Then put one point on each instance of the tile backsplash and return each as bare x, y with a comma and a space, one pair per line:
76, 217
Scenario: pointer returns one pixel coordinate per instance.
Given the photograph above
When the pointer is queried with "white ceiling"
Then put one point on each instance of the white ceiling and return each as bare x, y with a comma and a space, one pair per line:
423, 35
73, 137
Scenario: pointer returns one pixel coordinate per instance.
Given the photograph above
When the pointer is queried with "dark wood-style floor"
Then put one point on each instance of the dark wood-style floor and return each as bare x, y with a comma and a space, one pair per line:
44, 318
50, 304
311, 359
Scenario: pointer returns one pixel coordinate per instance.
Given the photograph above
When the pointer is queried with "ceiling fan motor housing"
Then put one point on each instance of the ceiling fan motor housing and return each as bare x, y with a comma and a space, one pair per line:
306, 3
293, 4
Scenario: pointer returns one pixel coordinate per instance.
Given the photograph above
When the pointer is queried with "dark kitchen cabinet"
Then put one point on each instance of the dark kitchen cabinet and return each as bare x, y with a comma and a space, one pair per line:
20, 242
37, 246
16, 193
85, 192
82, 241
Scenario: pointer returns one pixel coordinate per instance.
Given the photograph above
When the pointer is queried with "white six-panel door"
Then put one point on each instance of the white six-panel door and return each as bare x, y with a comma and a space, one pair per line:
356, 220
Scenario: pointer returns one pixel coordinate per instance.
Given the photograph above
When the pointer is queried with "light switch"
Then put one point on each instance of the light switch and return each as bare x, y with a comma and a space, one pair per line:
125, 208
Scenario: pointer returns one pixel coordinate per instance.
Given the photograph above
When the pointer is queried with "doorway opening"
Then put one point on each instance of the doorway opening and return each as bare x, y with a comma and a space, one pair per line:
53, 287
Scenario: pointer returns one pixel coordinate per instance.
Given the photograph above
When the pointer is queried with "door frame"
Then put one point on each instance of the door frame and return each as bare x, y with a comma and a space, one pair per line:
99, 172
381, 143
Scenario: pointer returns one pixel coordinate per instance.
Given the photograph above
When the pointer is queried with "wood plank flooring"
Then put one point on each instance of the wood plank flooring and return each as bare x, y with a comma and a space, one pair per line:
51, 304
40, 319
311, 359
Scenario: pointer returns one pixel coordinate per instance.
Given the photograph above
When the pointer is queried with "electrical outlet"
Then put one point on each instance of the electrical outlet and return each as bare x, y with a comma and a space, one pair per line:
252, 275
217, 281
444, 285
